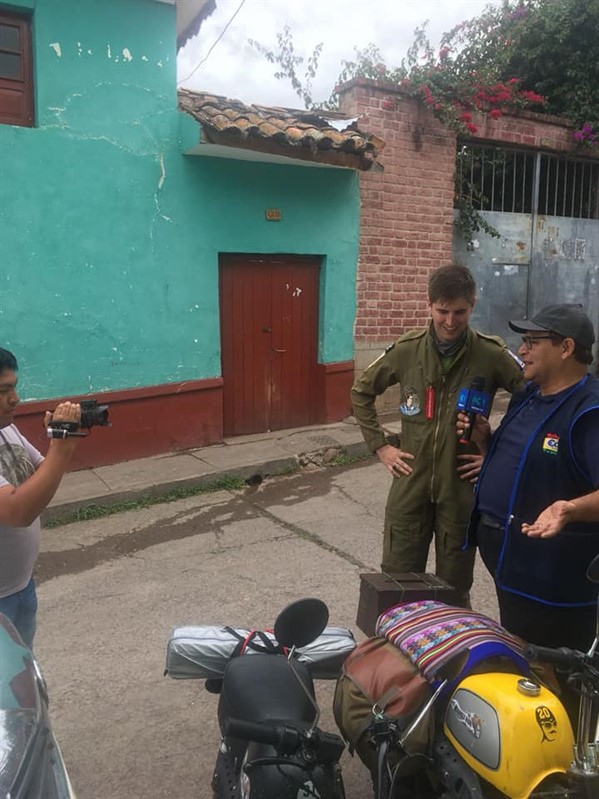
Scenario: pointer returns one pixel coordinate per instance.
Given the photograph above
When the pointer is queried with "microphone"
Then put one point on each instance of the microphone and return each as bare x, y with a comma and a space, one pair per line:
472, 401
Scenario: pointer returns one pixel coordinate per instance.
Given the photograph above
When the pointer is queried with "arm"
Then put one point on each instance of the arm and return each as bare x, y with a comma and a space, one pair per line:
471, 463
20, 506
375, 380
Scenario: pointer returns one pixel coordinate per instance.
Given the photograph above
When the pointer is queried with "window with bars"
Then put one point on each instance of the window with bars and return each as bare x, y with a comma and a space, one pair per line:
498, 179
16, 72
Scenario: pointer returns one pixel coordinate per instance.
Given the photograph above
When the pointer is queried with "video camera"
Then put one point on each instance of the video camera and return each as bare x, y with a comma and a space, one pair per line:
92, 415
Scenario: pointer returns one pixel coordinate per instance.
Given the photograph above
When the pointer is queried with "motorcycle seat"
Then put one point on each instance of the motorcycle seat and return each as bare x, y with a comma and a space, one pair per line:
261, 687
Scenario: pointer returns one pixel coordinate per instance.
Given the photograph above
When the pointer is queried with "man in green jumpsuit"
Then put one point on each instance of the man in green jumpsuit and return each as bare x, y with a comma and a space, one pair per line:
432, 487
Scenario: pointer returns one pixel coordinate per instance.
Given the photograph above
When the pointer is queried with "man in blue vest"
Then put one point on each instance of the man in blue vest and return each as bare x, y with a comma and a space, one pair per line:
536, 509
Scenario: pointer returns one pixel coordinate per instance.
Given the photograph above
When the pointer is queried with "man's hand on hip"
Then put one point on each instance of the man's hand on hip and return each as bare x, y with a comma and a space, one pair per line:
470, 466
395, 460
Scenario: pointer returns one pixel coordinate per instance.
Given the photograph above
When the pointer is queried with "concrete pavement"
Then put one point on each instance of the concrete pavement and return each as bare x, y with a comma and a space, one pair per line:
264, 454
111, 590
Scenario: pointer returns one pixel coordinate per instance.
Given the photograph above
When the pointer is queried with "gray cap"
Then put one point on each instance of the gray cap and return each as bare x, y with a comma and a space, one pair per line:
569, 321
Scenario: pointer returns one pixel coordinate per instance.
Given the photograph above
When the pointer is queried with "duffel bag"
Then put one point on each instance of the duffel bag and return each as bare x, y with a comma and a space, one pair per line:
378, 675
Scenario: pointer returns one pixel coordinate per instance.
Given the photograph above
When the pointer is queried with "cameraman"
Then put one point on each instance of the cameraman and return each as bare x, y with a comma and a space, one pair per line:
28, 481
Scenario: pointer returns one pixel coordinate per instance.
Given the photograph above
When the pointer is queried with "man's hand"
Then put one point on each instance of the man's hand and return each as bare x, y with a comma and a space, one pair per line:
481, 432
551, 520
471, 466
394, 460
64, 412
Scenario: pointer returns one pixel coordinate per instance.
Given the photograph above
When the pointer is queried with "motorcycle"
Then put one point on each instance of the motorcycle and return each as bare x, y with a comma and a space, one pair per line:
495, 734
271, 746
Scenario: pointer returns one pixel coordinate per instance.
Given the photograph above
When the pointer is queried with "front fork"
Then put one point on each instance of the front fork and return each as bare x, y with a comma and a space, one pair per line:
241, 773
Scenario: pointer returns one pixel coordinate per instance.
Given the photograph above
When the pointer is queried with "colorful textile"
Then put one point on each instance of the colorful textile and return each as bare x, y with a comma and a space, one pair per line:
431, 634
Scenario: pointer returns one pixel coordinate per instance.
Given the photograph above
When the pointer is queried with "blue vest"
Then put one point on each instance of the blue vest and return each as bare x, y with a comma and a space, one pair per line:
549, 570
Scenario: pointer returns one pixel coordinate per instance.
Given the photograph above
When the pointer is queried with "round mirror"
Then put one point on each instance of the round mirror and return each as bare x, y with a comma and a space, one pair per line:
301, 622
593, 570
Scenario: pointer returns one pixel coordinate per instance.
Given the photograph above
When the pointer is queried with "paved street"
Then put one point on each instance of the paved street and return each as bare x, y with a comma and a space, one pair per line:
112, 589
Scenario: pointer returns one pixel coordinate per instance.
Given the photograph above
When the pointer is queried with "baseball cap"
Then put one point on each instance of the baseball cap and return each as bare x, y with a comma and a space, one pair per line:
569, 321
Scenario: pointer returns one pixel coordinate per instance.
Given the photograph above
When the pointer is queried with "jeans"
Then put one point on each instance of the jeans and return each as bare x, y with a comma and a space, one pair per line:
21, 609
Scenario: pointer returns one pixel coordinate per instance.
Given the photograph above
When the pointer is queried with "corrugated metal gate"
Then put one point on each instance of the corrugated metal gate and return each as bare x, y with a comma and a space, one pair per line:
546, 209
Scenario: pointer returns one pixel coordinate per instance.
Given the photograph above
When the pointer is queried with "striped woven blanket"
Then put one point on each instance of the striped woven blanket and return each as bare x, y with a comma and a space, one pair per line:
431, 634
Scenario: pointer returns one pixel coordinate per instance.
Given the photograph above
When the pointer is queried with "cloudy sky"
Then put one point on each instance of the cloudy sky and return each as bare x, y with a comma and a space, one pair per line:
235, 69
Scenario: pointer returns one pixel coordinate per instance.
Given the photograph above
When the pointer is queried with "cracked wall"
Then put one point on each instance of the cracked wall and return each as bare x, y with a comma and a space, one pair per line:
109, 235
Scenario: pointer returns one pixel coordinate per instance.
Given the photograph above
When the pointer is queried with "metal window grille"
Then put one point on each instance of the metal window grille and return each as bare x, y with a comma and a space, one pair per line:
498, 179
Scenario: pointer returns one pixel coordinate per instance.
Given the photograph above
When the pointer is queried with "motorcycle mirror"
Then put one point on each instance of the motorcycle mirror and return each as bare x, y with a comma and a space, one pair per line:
593, 570
301, 622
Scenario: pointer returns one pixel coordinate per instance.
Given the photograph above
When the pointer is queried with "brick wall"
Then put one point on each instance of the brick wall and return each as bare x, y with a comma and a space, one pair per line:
406, 217
407, 211
528, 129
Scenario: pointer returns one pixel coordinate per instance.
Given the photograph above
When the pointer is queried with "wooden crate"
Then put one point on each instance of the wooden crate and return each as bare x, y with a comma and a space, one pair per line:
378, 592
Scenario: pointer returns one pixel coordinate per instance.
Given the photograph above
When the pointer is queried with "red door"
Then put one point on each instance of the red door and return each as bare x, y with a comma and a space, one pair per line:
269, 340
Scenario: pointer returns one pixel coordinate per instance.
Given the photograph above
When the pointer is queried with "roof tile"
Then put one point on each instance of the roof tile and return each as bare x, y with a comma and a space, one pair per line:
302, 133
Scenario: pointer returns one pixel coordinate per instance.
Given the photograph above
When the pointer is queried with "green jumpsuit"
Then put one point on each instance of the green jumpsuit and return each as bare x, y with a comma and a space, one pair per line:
433, 498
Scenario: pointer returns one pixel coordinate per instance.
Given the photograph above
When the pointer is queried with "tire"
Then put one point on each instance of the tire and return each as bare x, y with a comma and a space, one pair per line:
225, 779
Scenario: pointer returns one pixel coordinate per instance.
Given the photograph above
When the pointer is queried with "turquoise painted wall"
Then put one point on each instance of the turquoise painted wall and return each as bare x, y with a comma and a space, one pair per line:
109, 235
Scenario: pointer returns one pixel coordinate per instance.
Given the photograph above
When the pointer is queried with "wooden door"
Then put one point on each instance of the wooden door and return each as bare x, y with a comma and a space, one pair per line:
269, 341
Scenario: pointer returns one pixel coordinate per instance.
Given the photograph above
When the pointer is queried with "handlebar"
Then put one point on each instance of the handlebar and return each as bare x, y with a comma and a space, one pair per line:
287, 740
580, 668
284, 738
562, 658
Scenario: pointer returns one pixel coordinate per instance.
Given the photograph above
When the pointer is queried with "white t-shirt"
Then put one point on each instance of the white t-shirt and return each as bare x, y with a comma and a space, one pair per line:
19, 546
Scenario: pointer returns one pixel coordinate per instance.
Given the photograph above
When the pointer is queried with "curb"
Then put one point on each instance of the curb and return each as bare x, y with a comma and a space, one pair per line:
273, 468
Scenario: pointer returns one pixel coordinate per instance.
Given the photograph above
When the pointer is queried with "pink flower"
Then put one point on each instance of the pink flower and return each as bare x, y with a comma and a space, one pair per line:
585, 135
428, 95
532, 97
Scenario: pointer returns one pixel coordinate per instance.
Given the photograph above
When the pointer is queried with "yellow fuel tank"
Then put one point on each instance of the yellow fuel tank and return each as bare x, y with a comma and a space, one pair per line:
510, 730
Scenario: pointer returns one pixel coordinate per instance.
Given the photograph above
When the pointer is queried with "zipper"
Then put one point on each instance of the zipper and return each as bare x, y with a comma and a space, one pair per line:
439, 405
